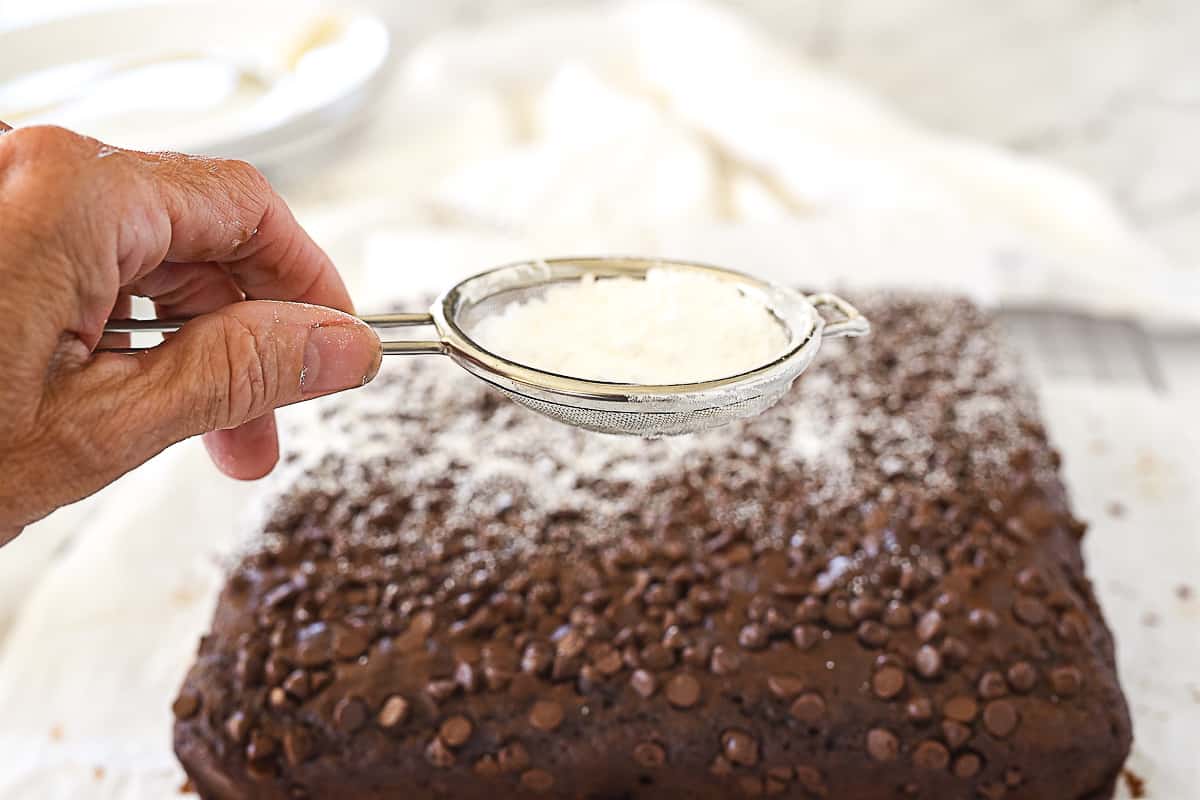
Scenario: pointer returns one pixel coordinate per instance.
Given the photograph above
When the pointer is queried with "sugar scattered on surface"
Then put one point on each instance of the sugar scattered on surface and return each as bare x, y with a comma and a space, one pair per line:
673, 327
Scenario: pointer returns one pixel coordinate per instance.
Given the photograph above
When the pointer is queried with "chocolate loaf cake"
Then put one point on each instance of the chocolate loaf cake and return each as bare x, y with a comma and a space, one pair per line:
875, 590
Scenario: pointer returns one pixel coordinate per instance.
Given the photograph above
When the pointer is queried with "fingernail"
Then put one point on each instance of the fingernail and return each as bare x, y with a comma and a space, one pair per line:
339, 356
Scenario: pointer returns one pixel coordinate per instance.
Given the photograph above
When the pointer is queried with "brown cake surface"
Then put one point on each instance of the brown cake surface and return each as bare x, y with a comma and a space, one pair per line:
875, 590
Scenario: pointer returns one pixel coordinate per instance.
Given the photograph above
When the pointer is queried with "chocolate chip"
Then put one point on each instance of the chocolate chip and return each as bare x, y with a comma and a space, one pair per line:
513, 757
442, 689
262, 746
930, 626
837, 613
438, 754
643, 682
956, 733
882, 745
808, 707
456, 731
297, 684
683, 691
298, 745
350, 642
393, 713
608, 663
806, 637
656, 657
1072, 627
277, 698
720, 767
724, 661
784, 686
948, 603
992, 685
740, 747
571, 644
237, 726
1022, 676
486, 766
810, 610
919, 709
186, 704
931, 755
1029, 610
897, 615
649, 754
314, 644
928, 661
350, 714
961, 708
275, 670
982, 620
1065, 680
865, 608
1030, 580
888, 682
967, 765
873, 634
1000, 718
537, 780
546, 715
754, 636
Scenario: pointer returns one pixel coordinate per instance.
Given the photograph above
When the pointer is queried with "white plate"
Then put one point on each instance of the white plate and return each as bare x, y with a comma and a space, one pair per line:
252, 80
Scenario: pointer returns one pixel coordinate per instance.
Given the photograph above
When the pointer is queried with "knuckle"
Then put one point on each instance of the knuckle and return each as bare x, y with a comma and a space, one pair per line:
242, 387
40, 143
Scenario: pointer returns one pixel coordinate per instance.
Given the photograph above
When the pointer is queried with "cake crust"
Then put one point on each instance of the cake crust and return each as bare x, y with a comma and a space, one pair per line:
873, 591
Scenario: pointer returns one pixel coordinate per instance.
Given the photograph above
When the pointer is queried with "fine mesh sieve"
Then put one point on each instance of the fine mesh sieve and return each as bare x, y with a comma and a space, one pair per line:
605, 406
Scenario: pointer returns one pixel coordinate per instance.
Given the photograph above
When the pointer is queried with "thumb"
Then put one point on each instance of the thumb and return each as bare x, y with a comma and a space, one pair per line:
219, 371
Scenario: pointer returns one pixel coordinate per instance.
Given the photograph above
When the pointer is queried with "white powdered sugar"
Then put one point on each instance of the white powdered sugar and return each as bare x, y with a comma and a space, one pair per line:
673, 327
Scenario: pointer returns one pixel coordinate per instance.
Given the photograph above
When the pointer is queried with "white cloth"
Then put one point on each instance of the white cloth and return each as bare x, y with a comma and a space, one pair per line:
663, 128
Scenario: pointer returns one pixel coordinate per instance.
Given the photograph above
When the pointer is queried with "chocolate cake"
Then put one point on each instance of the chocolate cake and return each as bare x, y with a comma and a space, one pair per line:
875, 590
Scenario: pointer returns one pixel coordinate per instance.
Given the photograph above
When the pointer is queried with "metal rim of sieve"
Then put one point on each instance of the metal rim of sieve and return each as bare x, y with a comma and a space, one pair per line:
797, 313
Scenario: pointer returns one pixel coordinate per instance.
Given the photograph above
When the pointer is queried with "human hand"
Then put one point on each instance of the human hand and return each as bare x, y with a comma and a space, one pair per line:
83, 227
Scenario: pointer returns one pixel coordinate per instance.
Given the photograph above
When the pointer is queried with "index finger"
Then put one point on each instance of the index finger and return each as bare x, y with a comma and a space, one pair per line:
227, 213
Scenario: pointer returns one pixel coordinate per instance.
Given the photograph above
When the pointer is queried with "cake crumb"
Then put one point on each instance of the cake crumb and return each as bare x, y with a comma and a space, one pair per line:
1115, 509
1150, 619
1183, 592
187, 787
56, 733
1135, 784
98, 773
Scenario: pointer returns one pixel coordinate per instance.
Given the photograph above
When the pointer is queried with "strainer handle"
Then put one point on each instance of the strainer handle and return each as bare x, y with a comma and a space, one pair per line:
850, 323
376, 321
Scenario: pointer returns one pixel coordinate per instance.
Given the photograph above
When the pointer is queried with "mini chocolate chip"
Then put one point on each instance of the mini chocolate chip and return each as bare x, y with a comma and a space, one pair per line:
754, 636
186, 704
393, 713
537, 780
1030, 580
784, 686
961, 708
537, 658
456, 731
724, 661
882, 745
656, 657
837, 613
928, 661
649, 754
1065, 680
275, 670
992, 685
441, 689
740, 747
486, 766
806, 637
1022, 676
982, 620
1029, 610
314, 644
609, 662
1013, 777
262, 745
873, 634
948, 603
720, 767
865, 608
930, 626
277, 698
967, 765
297, 684
810, 610
298, 745
897, 615
808, 707
468, 676
350, 714
888, 682
546, 715
956, 733
350, 641
571, 644
1000, 718
954, 650
513, 757
643, 682
1072, 627
931, 755
811, 780
438, 754
919, 709
683, 691
237, 726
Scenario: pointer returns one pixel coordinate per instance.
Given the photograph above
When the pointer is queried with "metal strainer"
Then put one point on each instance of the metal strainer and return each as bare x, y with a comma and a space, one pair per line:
604, 406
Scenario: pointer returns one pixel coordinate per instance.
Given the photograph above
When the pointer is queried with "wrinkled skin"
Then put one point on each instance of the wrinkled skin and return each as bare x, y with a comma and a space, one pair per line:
83, 227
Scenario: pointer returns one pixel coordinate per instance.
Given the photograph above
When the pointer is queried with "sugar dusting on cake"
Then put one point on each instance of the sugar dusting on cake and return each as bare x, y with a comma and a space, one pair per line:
458, 459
